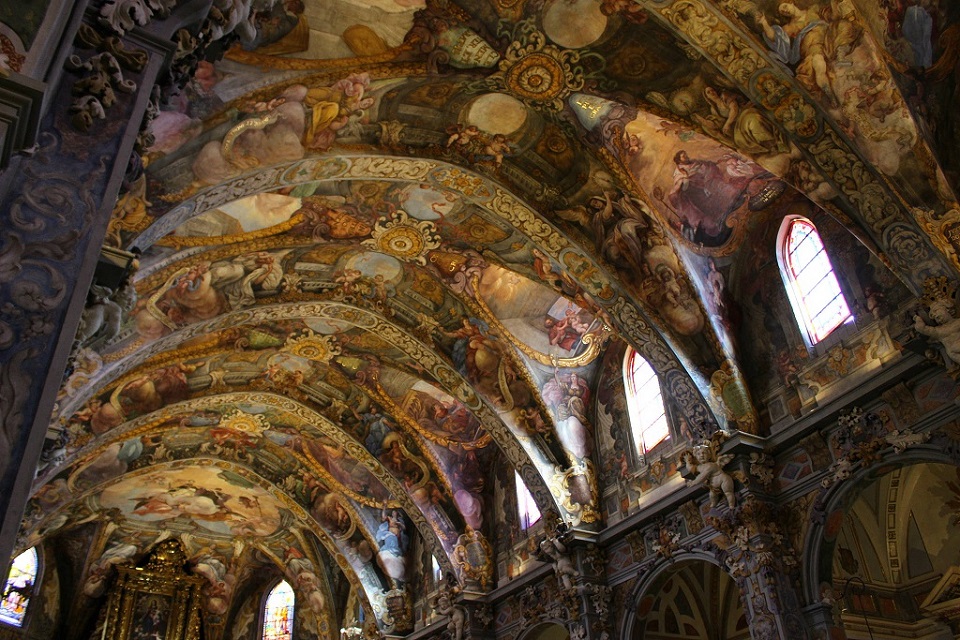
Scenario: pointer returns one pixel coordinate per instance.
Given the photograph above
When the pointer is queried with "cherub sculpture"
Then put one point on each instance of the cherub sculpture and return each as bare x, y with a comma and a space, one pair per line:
104, 313
709, 469
445, 605
947, 329
554, 547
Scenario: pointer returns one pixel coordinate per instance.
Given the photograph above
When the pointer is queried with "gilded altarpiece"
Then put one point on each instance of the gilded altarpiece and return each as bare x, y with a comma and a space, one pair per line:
159, 600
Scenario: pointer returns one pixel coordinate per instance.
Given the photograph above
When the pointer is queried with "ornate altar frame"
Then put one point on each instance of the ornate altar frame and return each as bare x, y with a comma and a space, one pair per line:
159, 600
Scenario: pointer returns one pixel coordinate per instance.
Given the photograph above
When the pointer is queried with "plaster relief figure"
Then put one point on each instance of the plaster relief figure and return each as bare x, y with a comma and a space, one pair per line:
204, 290
104, 313
709, 469
555, 548
444, 605
947, 329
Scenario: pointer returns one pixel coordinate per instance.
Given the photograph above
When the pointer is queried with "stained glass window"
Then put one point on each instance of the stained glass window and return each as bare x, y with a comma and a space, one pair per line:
526, 507
278, 613
815, 292
19, 588
648, 417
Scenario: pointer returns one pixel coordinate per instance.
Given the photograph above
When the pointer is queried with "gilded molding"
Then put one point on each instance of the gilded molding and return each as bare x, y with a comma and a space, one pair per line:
143, 425
448, 377
795, 111
484, 194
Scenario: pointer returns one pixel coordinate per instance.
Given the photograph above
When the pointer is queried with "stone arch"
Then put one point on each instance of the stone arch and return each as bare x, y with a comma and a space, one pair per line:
370, 585
532, 461
646, 594
838, 498
144, 424
635, 322
546, 631
832, 517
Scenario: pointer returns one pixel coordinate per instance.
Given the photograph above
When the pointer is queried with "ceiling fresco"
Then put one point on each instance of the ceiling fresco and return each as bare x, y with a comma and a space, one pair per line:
385, 246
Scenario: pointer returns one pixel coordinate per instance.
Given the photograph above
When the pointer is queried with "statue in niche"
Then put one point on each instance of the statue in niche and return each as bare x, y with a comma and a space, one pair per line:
104, 313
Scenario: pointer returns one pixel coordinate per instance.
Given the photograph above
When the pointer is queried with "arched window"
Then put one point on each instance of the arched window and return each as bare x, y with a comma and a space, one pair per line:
526, 507
437, 571
278, 613
648, 416
812, 287
19, 587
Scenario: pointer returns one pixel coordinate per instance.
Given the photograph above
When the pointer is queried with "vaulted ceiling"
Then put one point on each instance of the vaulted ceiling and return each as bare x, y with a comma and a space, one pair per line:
386, 244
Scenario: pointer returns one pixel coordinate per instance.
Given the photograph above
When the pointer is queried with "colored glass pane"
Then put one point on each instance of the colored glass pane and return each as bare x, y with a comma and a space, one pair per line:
648, 417
19, 588
278, 613
818, 300
526, 507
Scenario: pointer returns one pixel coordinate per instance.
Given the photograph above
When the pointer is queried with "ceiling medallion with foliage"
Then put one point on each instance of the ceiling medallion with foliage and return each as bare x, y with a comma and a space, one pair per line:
538, 73
312, 346
404, 238
245, 422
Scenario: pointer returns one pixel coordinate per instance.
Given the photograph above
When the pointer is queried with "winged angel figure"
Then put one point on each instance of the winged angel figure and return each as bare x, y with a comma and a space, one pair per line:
709, 469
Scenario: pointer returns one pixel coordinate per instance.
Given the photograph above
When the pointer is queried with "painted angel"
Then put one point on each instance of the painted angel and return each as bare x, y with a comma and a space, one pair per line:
568, 397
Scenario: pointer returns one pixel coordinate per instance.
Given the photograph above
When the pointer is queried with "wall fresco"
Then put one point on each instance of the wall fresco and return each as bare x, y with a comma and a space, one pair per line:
387, 252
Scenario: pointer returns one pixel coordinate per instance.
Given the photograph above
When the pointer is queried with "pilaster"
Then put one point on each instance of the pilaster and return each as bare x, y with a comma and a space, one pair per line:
54, 209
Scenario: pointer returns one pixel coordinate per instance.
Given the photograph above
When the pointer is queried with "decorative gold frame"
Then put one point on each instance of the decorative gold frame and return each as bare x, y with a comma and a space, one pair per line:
594, 339
162, 587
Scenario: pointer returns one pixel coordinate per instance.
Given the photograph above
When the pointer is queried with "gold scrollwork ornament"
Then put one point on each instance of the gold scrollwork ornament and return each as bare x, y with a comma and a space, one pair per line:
560, 486
404, 237
473, 557
539, 73
312, 346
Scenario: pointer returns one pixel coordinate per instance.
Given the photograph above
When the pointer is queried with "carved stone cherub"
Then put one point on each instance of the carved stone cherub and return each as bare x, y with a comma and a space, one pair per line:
554, 548
445, 605
947, 329
708, 466
104, 313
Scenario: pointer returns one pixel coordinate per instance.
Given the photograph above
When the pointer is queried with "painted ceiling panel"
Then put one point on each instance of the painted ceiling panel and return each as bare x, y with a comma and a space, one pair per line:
387, 247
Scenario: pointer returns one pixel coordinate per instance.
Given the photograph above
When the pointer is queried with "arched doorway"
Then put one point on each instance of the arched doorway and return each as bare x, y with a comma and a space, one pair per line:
891, 559
547, 631
694, 600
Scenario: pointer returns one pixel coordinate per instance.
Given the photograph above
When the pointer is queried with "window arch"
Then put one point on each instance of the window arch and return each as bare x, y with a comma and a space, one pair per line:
648, 415
526, 506
19, 587
278, 608
436, 570
811, 284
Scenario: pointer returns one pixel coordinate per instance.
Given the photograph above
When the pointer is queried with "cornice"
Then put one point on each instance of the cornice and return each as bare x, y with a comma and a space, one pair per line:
21, 99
